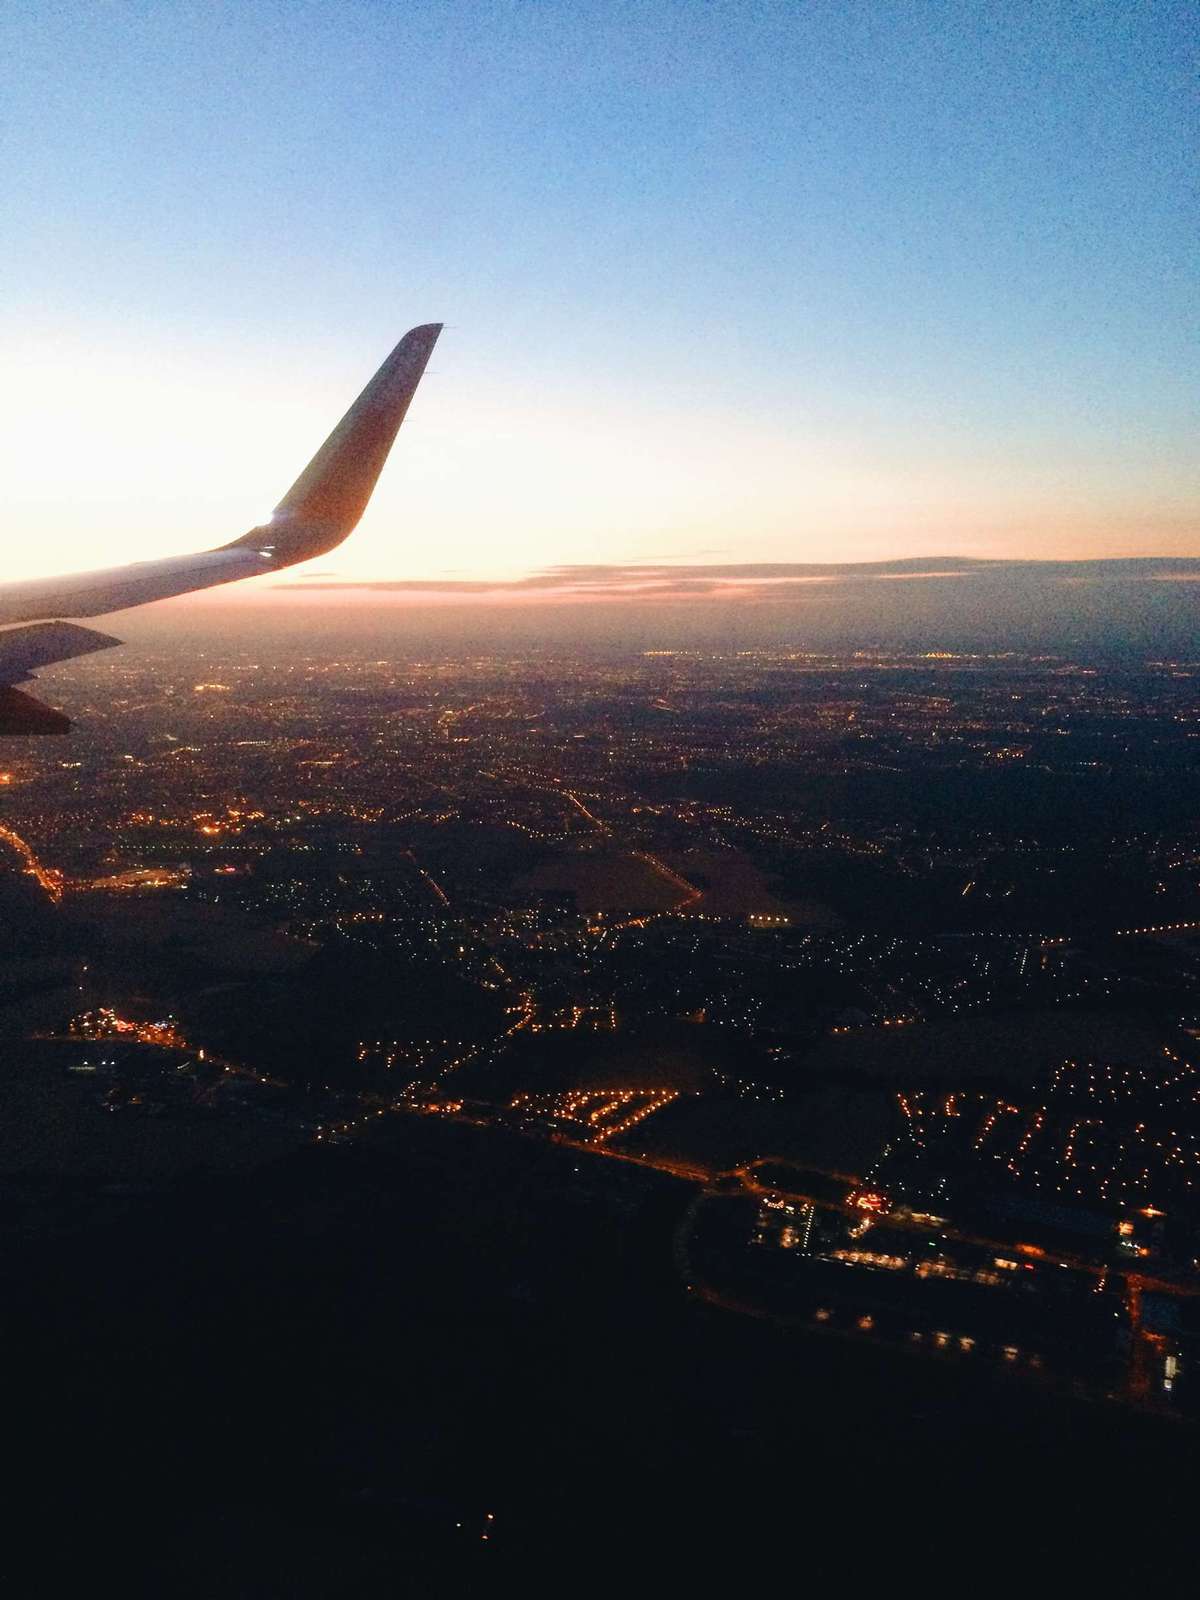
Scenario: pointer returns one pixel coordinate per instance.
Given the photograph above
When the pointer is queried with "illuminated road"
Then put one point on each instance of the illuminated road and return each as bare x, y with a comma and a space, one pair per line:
49, 879
688, 890
579, 806
434, 886
1146, 1355
166, 1036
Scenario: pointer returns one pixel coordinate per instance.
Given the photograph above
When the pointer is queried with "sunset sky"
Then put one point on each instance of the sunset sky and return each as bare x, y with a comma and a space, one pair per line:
725, 282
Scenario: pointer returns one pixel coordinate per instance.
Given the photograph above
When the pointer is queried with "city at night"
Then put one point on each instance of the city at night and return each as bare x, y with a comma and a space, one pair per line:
695, 1021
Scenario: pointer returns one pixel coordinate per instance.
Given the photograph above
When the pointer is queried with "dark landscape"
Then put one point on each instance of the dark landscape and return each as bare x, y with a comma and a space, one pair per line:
483, 1110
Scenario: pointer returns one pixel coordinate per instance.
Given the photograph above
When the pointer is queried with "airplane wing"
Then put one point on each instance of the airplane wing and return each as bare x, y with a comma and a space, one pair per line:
316, 514
22, 651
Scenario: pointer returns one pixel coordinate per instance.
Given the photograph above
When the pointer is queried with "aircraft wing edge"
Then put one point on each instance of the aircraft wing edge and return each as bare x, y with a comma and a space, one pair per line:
321, 508
22, 652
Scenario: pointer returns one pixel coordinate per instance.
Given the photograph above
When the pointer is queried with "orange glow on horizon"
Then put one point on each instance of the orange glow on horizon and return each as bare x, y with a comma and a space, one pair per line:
176, 446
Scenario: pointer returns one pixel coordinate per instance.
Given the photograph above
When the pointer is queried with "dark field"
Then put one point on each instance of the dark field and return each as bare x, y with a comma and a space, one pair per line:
325, 1377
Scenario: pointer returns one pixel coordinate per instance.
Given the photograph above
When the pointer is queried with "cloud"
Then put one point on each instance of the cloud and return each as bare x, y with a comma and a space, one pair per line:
761, 581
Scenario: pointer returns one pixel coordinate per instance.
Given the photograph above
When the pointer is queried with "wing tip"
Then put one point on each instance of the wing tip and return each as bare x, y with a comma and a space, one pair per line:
325, 503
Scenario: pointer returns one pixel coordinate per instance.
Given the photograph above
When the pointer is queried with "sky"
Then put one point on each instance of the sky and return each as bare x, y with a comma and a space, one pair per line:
724, 283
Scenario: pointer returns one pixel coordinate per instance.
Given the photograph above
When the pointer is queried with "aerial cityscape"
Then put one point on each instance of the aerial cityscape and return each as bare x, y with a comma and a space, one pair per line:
866, 983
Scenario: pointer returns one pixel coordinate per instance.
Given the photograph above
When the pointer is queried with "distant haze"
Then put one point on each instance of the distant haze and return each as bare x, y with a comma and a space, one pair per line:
1131, 609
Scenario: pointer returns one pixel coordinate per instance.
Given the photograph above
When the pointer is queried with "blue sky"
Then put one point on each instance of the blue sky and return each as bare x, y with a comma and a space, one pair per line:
748, 281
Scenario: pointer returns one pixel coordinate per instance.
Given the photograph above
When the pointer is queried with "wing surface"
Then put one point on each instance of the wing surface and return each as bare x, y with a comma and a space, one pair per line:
22, 651
318, 511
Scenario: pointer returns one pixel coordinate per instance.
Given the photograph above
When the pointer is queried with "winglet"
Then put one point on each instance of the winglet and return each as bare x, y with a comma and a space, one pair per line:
316, 513
331, 494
